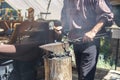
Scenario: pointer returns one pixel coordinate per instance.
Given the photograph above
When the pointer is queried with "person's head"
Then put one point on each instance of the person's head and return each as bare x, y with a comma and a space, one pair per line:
30, 10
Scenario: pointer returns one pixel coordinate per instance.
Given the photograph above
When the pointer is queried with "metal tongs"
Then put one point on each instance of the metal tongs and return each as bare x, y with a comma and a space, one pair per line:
79, 40
66, 40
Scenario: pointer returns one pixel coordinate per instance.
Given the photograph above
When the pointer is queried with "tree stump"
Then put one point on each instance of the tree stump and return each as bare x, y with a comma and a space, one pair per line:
58, 65
58, 68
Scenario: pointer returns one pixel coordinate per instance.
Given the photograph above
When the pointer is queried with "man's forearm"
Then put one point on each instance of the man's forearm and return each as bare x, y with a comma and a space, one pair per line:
7, 48
92, 33
97, 27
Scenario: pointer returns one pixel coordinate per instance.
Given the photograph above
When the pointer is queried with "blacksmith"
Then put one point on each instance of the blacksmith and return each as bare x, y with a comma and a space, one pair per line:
86, 19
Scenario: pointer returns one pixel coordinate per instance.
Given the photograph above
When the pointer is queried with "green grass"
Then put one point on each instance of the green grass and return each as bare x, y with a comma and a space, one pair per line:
109, 64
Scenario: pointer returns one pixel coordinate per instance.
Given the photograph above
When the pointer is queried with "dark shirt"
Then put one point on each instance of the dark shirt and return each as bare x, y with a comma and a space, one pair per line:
80, 16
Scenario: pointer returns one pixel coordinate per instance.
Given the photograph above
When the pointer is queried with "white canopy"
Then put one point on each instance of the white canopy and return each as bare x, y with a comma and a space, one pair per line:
39, 6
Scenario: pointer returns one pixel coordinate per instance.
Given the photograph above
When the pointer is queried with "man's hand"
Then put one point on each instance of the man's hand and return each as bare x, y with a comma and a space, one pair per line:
58, 29
89, 36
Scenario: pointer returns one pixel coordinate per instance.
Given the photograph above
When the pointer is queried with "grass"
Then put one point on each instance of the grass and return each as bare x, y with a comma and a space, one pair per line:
109, 64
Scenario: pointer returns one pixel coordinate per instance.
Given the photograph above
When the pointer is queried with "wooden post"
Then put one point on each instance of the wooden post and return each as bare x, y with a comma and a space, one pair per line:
58, 68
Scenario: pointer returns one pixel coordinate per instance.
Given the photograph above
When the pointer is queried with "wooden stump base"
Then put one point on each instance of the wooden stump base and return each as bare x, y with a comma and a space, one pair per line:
58, 68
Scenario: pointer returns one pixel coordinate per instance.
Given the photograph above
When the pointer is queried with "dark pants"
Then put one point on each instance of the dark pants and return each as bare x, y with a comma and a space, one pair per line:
86, 58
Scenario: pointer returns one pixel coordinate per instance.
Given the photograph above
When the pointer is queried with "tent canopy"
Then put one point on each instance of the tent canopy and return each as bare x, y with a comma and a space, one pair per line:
39, 6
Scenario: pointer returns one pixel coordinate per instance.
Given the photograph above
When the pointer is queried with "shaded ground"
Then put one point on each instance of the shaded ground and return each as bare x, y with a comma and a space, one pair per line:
100, 73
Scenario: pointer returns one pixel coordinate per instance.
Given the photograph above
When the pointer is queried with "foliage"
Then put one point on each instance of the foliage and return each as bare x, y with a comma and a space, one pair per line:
105, 59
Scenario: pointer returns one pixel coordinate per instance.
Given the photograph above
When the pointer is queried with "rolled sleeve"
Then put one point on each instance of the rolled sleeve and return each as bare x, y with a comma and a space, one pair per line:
65, 16
63, 13
104, 13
